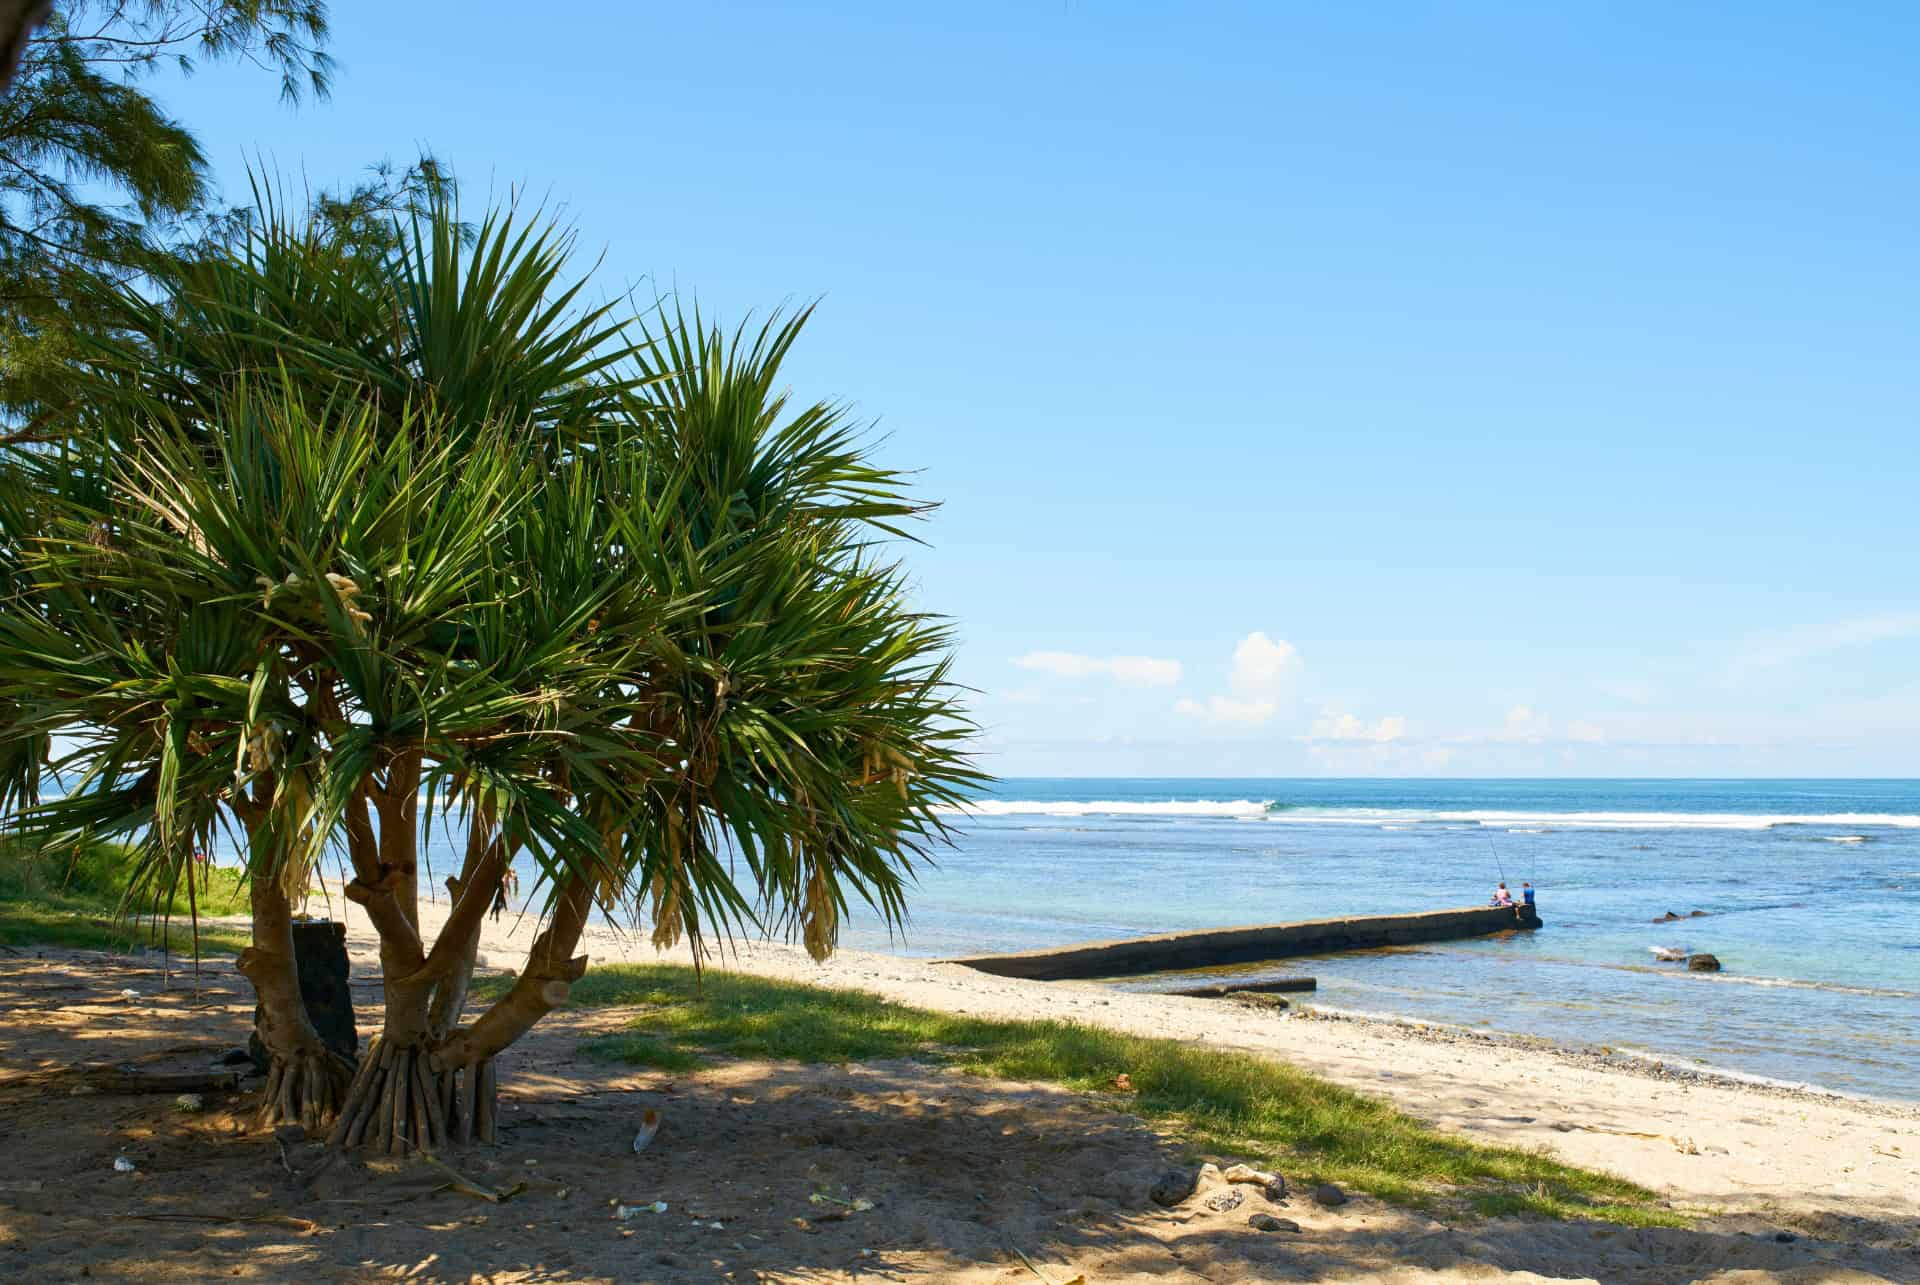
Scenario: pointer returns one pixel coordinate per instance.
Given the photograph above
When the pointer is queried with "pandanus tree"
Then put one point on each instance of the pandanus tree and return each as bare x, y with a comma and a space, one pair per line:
353, 544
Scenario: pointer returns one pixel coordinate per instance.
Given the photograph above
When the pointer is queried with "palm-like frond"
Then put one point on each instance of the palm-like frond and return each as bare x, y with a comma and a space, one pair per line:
346, 541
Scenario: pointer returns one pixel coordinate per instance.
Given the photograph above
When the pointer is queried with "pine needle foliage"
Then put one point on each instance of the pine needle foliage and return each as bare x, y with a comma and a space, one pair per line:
97, 180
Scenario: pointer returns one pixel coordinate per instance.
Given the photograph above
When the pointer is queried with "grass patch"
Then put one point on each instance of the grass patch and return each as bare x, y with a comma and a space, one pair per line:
74, 894
1221, 1103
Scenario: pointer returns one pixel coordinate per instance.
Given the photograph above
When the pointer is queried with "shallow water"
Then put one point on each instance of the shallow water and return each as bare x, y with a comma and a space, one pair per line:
1812, 890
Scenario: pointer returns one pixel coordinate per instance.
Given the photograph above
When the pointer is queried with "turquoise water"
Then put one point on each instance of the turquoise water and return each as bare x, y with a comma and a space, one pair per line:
1812, 890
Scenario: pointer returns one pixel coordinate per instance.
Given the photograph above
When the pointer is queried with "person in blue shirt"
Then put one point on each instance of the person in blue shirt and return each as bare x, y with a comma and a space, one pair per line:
1526, 895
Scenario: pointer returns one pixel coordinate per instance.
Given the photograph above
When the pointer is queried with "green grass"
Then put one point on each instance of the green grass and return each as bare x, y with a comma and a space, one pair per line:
72, 894
1223, 1104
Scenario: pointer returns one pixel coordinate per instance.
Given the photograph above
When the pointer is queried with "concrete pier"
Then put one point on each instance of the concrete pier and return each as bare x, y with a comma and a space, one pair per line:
1219, 947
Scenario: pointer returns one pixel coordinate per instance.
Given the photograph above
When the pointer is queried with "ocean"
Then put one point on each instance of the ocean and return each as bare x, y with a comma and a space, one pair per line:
1811, 891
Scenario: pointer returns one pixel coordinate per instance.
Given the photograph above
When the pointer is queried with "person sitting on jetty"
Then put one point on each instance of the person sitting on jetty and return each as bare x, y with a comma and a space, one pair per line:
1501, 897
1526, 895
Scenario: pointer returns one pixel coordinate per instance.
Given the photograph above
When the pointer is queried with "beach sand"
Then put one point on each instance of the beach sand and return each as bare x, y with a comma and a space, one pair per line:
965, 1174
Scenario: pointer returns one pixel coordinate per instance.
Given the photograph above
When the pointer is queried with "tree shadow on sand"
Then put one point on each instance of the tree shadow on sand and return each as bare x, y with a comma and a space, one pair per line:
768, 1171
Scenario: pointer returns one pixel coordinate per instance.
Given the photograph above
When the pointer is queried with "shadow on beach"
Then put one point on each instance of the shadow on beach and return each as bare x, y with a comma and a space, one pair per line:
964, 1175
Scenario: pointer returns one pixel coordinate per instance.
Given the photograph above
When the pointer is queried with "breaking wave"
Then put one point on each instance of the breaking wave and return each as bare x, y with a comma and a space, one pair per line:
1614, 820
1070, 808
1516, 822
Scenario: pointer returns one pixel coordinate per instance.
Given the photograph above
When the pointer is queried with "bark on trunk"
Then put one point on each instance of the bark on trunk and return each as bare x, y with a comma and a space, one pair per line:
449, 967
450, 992
305, 1079
542, 986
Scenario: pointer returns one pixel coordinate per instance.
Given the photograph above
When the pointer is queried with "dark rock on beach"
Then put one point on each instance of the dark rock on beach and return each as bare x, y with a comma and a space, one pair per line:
1328, 1196
1703, 963
1267, 1222
1256, 999
1173, 1186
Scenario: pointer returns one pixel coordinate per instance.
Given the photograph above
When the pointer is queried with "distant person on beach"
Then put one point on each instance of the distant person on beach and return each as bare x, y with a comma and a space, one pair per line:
1501, 897
509, 886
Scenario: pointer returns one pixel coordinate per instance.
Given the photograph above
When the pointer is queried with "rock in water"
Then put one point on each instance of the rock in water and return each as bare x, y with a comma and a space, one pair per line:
1696, 914
1703, 964
320, 955
1172, 1187
1226, 1200
1267, 1222
1328, 1196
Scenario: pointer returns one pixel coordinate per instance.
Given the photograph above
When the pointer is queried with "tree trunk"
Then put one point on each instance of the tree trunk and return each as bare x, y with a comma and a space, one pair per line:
305, 1079
401, 1100
425, 1084
450, 992
542, 986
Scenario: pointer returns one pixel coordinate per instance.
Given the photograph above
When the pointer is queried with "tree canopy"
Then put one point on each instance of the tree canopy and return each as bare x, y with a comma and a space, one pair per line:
350, 536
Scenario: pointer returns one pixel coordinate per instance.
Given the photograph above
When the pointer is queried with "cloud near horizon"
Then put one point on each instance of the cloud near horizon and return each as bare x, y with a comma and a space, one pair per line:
1132, 671
1263, 672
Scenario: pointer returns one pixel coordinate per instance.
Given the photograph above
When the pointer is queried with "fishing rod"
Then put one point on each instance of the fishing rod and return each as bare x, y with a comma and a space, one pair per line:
1496, 856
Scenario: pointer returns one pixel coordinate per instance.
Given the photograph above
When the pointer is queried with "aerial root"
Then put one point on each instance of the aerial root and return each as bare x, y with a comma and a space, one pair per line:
399, 1103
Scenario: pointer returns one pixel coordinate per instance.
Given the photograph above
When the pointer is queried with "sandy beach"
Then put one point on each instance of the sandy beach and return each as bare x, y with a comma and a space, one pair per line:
1711, 1142
1843, 1172
963, 1179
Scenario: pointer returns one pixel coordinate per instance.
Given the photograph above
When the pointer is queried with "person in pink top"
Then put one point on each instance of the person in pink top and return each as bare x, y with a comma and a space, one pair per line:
1501, 897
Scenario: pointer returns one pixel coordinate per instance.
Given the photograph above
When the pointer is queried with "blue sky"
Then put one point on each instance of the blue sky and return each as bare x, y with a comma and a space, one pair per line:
1419, 388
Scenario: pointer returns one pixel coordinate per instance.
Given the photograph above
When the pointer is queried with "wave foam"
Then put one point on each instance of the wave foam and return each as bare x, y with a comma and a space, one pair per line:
1800, 984
1515, 822
1613, 820
1071, 808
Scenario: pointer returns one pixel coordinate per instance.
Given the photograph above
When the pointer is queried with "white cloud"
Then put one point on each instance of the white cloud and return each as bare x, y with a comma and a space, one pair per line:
1345, 727
1525, 726
1133, 671
1767, 651
1262, 665
1263, 672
